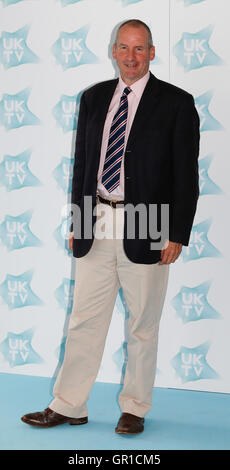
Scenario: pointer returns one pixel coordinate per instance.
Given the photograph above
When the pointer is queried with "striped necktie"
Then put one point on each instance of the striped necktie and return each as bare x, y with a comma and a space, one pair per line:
115, 150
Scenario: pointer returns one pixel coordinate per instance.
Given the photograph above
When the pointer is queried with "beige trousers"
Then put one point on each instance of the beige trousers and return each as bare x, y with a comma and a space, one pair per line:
99, 274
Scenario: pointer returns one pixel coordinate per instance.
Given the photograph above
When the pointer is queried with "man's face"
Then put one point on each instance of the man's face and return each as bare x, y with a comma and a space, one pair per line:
132, 53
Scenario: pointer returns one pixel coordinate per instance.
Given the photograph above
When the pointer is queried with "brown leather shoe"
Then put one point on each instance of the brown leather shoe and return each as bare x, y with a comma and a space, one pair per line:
130, 424
49, 418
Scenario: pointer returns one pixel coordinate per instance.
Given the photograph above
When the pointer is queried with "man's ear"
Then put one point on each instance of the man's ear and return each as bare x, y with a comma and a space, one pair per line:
114, 51
152, 52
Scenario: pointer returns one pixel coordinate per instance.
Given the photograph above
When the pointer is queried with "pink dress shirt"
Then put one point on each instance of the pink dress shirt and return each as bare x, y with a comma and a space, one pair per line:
133, 102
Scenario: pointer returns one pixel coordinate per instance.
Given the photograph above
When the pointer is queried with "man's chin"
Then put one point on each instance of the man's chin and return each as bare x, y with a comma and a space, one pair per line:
131, 76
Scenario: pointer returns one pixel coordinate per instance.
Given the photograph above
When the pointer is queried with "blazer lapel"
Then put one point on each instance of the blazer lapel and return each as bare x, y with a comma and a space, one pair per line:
145, 109
103, 106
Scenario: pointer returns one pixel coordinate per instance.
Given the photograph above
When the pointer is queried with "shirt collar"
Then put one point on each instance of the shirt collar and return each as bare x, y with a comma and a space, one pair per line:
137, 87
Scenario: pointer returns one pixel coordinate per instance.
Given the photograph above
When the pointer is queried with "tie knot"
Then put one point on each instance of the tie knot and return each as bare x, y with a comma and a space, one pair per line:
127, 91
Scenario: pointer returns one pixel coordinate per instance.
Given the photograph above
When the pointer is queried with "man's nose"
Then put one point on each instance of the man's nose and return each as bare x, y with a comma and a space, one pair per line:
130, 54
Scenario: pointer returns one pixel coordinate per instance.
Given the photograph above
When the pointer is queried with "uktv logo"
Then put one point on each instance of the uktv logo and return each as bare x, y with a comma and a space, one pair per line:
64, 294
14, 50
14, 112
15, 173
63, 174
15, 232
191, 364
129, 2
68, 2
120, 357
199, 244
17, 349
207, 121
71, 50
61, 235
66, 112
60, 351
193, 50
6, 3
121, 304
191, 2
207, 186
16, 291
191, 303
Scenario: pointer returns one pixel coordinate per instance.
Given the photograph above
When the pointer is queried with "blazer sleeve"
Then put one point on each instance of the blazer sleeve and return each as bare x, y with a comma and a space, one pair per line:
185, 174
79, 156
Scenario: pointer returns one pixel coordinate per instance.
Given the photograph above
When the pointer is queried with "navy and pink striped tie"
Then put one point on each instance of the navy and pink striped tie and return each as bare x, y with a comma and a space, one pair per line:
115, 150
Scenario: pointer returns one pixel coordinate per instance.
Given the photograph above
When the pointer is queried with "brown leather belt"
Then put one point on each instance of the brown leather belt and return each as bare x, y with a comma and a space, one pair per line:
113, 204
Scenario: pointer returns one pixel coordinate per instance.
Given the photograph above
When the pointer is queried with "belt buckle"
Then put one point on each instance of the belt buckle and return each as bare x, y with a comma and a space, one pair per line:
111, 204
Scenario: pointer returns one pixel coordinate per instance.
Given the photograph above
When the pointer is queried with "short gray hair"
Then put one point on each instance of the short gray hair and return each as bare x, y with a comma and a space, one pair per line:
137, 24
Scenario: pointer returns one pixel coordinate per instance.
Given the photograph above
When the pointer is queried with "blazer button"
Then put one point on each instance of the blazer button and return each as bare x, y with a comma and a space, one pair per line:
128, 178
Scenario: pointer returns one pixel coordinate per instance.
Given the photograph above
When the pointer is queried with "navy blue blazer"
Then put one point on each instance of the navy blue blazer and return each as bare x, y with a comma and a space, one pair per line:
160, 161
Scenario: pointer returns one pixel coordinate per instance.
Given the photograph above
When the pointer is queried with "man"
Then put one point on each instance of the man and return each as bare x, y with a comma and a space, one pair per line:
137, 143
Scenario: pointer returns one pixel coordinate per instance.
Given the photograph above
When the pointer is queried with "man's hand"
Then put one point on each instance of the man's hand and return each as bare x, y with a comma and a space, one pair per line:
71, 236
170, 253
